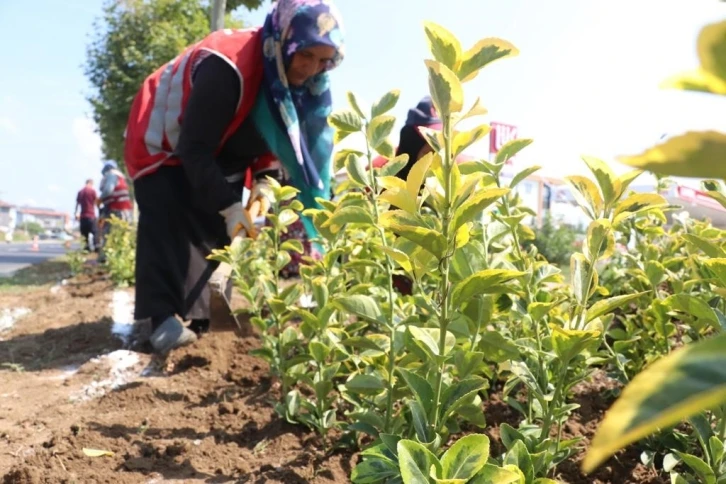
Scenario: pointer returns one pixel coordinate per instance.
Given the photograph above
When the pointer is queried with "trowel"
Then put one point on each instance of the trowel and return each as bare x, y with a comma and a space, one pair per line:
221, 315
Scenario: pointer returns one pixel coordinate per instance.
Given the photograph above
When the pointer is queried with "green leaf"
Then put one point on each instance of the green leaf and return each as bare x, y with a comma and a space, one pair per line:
476, 204
510, 149
365, 385
415, 462
386, 103
392, 167
708, 247
580, 267
606, 306
373, 471
520, 457
348, 215
360, 305
420, 388
605, 178
386, 149
420, 421
477, 109
319, 351
461, 393
626, 179
569, 343
363, 343
497, 348
466, 457
346, 120
491, 474
682, 384
281, 260
587, 195
391, 442
355, 105
429, 338
488, 281
638, 202
293, 245
716, 446
702, 469
380, 129
400, 223
718, 196
482, 53
600, 240
443, 45
711, 75
692, 154
718, 267
694, 307
355, 170
399, 257
464, 139
522, 175
445, 88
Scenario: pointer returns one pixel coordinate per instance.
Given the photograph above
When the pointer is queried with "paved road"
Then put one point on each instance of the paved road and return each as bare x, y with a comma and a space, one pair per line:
15, 256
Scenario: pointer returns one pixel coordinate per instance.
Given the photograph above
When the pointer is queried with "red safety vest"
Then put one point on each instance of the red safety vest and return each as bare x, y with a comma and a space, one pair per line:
119, 198
156, 114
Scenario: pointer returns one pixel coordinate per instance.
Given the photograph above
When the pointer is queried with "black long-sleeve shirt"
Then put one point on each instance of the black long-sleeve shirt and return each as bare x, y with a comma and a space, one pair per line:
211, 108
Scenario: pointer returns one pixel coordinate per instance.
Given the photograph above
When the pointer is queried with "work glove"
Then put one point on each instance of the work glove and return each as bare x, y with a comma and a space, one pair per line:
259, 202
238, 221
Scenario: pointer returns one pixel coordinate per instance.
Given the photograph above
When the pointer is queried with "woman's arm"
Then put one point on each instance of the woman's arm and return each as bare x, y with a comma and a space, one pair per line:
210, 110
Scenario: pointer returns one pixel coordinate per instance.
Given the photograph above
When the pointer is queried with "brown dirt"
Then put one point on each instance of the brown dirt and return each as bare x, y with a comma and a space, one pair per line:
623, 468
203, 415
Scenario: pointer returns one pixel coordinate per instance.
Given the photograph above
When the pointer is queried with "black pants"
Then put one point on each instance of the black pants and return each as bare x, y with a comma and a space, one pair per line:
174, 238
88, 227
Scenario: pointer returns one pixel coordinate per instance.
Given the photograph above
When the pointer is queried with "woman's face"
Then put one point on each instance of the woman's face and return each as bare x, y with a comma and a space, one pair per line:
309, 62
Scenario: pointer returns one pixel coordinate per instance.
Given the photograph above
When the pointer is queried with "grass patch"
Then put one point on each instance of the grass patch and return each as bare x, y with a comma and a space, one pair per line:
39, 274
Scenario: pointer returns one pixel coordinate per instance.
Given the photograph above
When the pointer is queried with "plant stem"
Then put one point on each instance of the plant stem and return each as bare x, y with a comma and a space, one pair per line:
617, 361
560, 383
372, 197
722, 425
475, 336
321, 412
276, 289
444, 289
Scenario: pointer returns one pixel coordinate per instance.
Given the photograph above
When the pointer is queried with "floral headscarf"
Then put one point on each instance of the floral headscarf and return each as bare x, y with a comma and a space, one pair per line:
293, 25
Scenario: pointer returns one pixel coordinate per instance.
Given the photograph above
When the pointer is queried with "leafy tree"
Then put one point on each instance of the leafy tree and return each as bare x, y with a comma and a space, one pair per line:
130, 41
555, 242
33, 228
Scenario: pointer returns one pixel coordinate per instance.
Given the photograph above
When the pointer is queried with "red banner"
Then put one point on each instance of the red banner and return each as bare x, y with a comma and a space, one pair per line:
500, 135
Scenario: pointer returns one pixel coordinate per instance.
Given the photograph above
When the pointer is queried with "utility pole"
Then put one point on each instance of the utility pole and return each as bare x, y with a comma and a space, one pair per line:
218, 8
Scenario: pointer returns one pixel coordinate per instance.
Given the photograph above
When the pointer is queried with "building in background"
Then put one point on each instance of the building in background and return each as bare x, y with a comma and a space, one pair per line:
8, 219
52, 223
47, 218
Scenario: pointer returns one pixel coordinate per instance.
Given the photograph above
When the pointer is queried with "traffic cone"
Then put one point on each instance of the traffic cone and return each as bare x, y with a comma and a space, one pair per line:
35, 247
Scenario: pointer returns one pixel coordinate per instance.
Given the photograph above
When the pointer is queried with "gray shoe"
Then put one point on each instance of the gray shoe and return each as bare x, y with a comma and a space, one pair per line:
171, 334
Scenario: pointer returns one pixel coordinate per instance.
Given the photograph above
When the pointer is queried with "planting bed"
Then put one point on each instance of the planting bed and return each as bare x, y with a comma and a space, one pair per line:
204, 415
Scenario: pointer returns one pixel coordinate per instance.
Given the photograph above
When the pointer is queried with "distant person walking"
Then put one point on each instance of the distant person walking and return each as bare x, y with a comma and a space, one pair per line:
115, 201
86, 214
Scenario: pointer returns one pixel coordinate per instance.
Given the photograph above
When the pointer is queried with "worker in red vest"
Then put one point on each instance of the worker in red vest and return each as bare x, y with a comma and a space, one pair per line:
114, 201
254, 99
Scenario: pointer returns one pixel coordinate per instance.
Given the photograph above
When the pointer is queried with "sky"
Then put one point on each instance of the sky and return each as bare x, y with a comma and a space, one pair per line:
586, 81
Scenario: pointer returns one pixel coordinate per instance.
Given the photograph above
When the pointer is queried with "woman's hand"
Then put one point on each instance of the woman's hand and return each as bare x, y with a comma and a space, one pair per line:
238, 221
258, 203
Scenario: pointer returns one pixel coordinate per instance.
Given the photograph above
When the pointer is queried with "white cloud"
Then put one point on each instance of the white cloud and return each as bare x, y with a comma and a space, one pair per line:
8, 125
88, 141
53, 188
